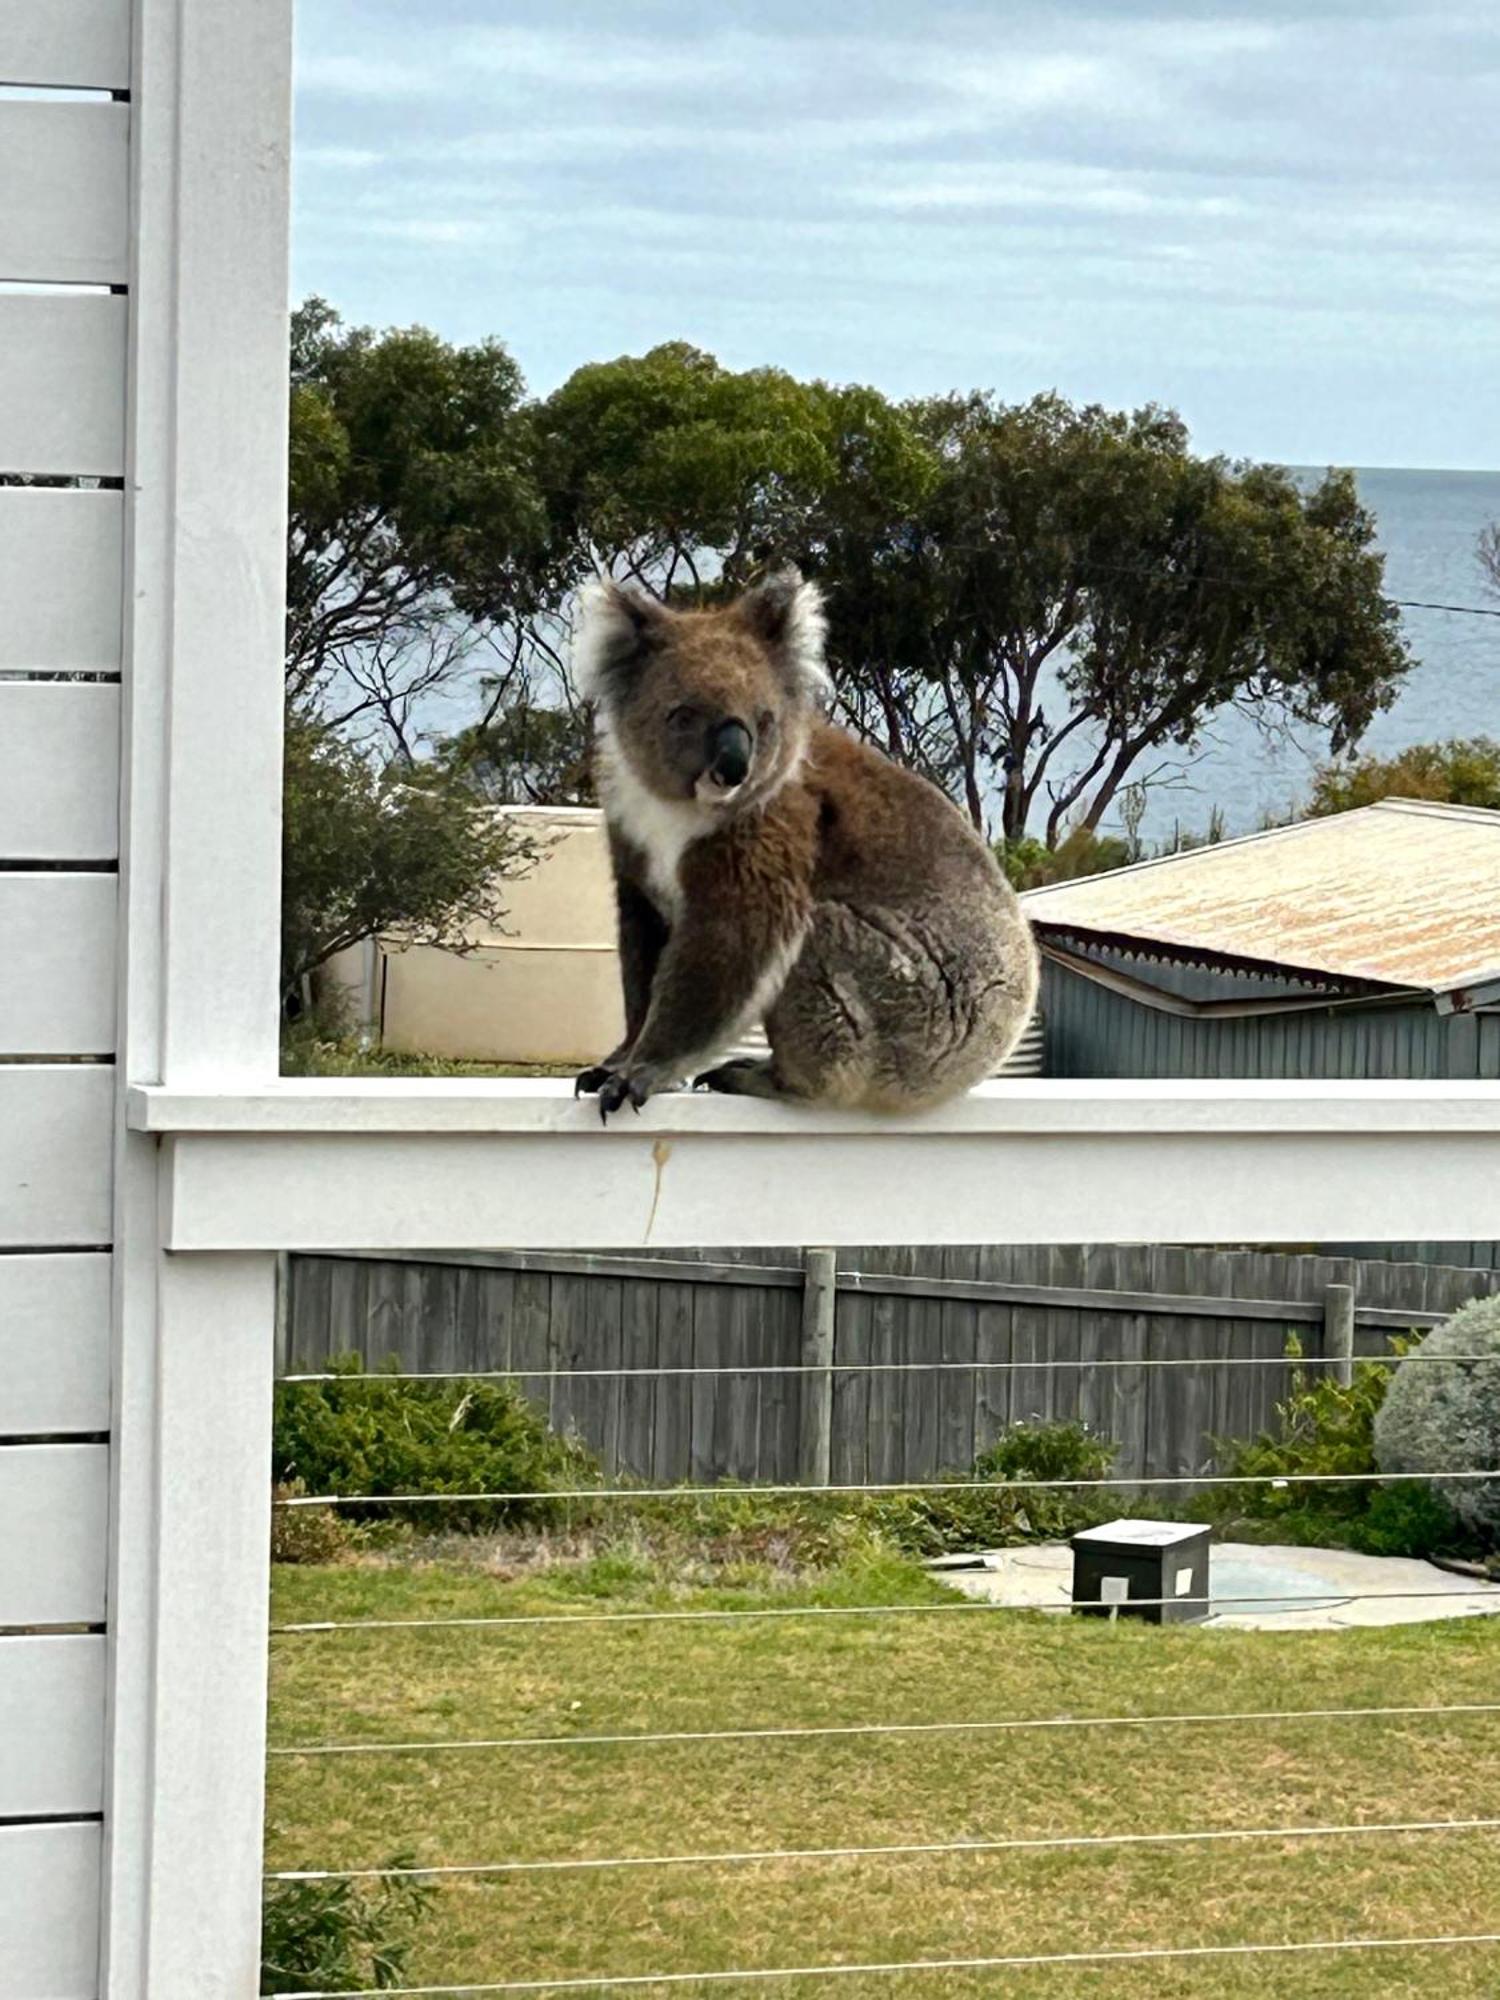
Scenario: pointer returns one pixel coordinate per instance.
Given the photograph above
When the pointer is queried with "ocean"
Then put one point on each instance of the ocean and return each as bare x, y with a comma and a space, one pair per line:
1429, 523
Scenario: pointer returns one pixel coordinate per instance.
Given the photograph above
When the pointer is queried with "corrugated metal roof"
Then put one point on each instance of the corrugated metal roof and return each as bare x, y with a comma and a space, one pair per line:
1404, 893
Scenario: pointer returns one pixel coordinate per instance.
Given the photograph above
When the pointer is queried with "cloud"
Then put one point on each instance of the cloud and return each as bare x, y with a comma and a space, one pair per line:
1247, 209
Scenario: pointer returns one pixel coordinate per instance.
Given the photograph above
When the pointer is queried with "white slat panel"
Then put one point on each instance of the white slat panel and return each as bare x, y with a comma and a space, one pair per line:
61, 557
49, 1911
59, 771
56, 1127
51, 1726
54, 1346
57, 937
74, 44
62, 389
63, 168
53, 1501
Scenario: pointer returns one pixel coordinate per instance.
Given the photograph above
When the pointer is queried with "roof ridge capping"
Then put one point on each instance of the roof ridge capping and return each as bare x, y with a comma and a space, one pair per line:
1437, 808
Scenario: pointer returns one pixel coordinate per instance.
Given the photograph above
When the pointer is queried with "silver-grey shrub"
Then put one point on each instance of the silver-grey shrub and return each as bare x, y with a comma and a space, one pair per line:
1442, 1417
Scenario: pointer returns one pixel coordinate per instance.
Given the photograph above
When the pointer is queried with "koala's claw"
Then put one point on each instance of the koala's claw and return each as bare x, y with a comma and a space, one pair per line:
616, 1090
588, 1081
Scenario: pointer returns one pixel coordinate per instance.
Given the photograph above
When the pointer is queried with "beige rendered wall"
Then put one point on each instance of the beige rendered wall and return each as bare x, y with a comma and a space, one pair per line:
545, 989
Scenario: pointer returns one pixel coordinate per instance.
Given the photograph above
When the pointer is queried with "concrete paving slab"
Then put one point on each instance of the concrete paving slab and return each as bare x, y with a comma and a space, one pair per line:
1253, 1587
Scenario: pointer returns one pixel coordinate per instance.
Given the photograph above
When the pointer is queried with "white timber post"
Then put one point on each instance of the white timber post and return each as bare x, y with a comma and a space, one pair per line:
205, 514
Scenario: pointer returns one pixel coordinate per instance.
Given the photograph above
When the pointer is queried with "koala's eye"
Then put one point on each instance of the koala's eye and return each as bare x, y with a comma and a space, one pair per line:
681, 718
765, 722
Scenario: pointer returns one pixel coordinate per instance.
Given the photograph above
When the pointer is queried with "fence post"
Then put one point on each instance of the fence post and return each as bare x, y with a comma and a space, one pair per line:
1338, 1331
819, 1306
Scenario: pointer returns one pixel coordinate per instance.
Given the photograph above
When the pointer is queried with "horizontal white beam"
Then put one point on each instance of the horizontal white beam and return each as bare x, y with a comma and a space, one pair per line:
49, 1911
60, 579
72, 43
58, 994
54, 1344
59, 770
54, 1503
65, 169
62, 390
1041, 1105
309, 1165
55, 1167
52, 1744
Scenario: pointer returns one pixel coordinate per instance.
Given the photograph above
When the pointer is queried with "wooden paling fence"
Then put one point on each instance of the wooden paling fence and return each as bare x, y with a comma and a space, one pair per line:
870, 1364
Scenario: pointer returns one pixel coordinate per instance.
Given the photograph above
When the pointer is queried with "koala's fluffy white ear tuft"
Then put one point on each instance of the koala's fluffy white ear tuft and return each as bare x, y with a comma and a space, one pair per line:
786, 612
616, 627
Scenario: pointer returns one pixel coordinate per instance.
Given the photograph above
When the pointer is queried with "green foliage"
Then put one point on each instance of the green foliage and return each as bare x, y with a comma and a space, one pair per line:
412, 487
1327, 1428
1444, 1416
1034, 604
996, 1507
306, 1534
1030, 864
1072, 591
1463, 771
373, 1434
991, 1505
415, 524
367, 850
341, 1936
672, 469
524, 754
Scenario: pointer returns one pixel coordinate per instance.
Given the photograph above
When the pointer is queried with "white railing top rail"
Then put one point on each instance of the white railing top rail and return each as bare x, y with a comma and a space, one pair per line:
442, 1164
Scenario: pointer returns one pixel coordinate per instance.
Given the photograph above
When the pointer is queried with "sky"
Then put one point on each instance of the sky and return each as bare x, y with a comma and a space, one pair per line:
1281, 219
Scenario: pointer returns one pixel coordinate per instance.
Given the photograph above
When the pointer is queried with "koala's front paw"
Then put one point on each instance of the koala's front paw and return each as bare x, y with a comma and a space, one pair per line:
588, 1081
614, 1089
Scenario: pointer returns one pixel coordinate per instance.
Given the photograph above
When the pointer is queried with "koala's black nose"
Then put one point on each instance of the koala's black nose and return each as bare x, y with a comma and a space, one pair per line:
729, 751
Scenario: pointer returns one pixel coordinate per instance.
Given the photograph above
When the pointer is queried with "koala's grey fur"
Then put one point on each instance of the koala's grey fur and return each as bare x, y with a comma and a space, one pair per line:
769, 863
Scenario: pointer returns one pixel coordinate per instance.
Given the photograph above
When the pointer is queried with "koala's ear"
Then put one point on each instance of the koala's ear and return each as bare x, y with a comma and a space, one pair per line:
786, 614
617, 629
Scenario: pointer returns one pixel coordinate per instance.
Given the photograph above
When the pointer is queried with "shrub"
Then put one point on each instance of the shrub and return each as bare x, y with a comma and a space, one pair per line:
996, 1507
1327, 1427
990, 1507
306, 1534
1445, 1417
340, 1936
373, 1433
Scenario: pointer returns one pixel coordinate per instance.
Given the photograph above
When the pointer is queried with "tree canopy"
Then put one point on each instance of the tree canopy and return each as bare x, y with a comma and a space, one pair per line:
1464, 771
1040, 605
368, 850
1035, 604
1075, 594
414, 533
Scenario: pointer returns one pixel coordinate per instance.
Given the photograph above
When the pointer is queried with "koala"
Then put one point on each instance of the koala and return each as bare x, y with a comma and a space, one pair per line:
769, 865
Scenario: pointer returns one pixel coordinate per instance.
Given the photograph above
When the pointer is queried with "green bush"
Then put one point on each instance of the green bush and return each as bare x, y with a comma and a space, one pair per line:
1445, 1417
995, 1507
340, 1936
1326, 1427
306, 1534
990, 1507
374, 1433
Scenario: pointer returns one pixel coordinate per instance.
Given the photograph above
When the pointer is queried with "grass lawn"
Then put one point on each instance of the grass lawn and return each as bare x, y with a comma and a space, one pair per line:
656, 1799
307, 1050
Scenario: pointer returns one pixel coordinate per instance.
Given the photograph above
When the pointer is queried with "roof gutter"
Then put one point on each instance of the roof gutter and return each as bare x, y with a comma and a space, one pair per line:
1473, 998
1147, 995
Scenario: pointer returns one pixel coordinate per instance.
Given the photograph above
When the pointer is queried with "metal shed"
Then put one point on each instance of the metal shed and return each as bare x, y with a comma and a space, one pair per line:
1362, 945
